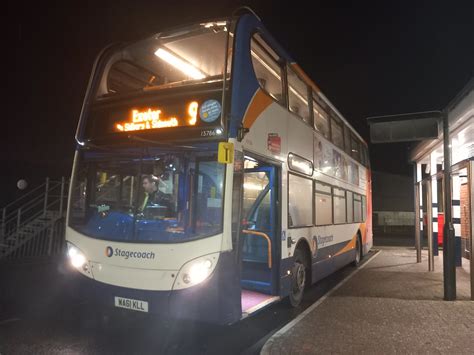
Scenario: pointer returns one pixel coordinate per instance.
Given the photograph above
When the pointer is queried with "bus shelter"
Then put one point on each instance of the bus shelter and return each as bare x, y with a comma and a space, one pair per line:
429, 183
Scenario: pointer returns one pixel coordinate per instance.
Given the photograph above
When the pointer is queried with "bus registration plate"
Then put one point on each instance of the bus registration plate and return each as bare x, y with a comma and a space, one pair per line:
135, 305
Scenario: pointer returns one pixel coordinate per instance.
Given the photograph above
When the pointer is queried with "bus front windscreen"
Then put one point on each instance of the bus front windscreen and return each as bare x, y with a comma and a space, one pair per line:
147, 196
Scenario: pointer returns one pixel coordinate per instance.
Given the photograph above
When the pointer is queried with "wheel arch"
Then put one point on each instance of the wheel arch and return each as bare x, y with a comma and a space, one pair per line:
359, 236
303, 245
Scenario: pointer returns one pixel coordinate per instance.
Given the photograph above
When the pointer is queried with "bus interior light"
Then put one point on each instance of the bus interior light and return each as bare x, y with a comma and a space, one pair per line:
180, 64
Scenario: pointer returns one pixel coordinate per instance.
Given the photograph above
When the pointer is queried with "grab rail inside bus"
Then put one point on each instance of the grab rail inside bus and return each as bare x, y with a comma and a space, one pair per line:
269, 242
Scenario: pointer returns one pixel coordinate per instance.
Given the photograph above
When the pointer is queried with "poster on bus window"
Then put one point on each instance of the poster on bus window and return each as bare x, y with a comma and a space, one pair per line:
353, 173
339, 165
323, 158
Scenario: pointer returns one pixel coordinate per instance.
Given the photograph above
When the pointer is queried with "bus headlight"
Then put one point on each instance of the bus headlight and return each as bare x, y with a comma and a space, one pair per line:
76, 257
196, 271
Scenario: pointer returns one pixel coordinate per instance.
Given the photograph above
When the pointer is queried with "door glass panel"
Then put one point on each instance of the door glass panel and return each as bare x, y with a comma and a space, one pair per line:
255, 185
257, 215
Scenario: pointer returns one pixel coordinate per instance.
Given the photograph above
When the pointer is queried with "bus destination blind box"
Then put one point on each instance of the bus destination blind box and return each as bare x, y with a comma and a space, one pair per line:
198, 117
154, 118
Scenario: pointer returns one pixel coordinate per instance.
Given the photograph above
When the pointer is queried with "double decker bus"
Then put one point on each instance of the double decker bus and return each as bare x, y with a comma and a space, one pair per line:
212, 177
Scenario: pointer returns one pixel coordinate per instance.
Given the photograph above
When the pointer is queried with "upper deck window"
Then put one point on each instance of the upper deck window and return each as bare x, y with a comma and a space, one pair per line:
298, 96
337, 135
355, 148
267, 69
191, 56
321, 119
347, 139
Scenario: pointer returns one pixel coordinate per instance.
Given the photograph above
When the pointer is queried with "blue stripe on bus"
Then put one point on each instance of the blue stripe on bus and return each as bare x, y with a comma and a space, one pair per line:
244, 82
331, 250
323, 268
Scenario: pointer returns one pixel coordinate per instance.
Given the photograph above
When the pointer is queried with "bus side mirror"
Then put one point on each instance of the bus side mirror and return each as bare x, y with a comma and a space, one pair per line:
242, 131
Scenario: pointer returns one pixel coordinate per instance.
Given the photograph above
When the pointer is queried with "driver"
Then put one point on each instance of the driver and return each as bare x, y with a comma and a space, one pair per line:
153, 195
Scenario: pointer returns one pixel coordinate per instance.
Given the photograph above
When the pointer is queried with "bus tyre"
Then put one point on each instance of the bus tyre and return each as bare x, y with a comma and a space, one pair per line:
358, 253
298, 278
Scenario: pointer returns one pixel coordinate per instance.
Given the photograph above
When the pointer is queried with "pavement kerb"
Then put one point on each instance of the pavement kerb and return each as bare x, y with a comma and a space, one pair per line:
267, 346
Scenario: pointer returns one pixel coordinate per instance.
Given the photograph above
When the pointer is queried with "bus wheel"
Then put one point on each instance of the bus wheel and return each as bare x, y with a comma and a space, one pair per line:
298, 278
358, 255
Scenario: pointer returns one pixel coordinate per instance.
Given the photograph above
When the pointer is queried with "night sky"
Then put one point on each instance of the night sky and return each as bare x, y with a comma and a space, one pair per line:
369, 58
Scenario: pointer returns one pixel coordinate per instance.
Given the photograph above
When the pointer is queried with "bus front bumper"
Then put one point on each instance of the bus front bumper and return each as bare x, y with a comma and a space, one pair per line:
215, 300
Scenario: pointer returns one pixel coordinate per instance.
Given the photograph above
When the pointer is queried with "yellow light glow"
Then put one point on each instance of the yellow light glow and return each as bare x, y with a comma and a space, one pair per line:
192, 111
152, 119
180, 64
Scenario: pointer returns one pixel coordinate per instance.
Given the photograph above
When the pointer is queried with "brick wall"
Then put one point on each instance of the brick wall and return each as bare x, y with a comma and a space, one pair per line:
465, 219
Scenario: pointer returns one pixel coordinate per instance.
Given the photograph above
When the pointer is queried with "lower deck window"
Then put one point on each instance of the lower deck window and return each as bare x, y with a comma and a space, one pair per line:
350, 209
357, 208
300, 192
323, 204
339, 205
364, 209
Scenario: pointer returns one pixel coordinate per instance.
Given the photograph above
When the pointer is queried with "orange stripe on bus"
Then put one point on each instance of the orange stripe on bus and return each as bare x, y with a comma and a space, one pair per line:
363, 232
305, 77
259, 103
349, 246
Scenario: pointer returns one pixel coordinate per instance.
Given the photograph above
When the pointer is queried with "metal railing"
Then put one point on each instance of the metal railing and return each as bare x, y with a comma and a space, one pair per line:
26, 221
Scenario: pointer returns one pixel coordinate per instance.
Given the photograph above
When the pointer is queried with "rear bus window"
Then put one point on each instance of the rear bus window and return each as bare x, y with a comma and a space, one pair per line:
267, 69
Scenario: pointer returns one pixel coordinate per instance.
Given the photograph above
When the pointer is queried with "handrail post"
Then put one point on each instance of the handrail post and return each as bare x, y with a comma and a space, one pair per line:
18, 220
46, 190
4, 218
50, 239
269, 242
61, 198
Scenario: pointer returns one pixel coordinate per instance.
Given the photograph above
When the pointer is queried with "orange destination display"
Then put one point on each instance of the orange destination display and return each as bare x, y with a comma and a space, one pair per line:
155, 118
159, 118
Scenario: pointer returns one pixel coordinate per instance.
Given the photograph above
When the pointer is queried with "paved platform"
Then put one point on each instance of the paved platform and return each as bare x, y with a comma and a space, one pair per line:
391, 305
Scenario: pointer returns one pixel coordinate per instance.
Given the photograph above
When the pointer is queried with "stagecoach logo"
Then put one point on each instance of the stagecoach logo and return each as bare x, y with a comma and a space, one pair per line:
109, 251
322, 241
127, 254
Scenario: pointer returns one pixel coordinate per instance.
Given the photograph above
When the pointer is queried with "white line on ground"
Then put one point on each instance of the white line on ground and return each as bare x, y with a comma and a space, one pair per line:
308, 310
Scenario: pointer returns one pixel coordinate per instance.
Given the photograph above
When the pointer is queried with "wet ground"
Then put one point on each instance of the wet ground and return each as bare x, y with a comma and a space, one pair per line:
39, 316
